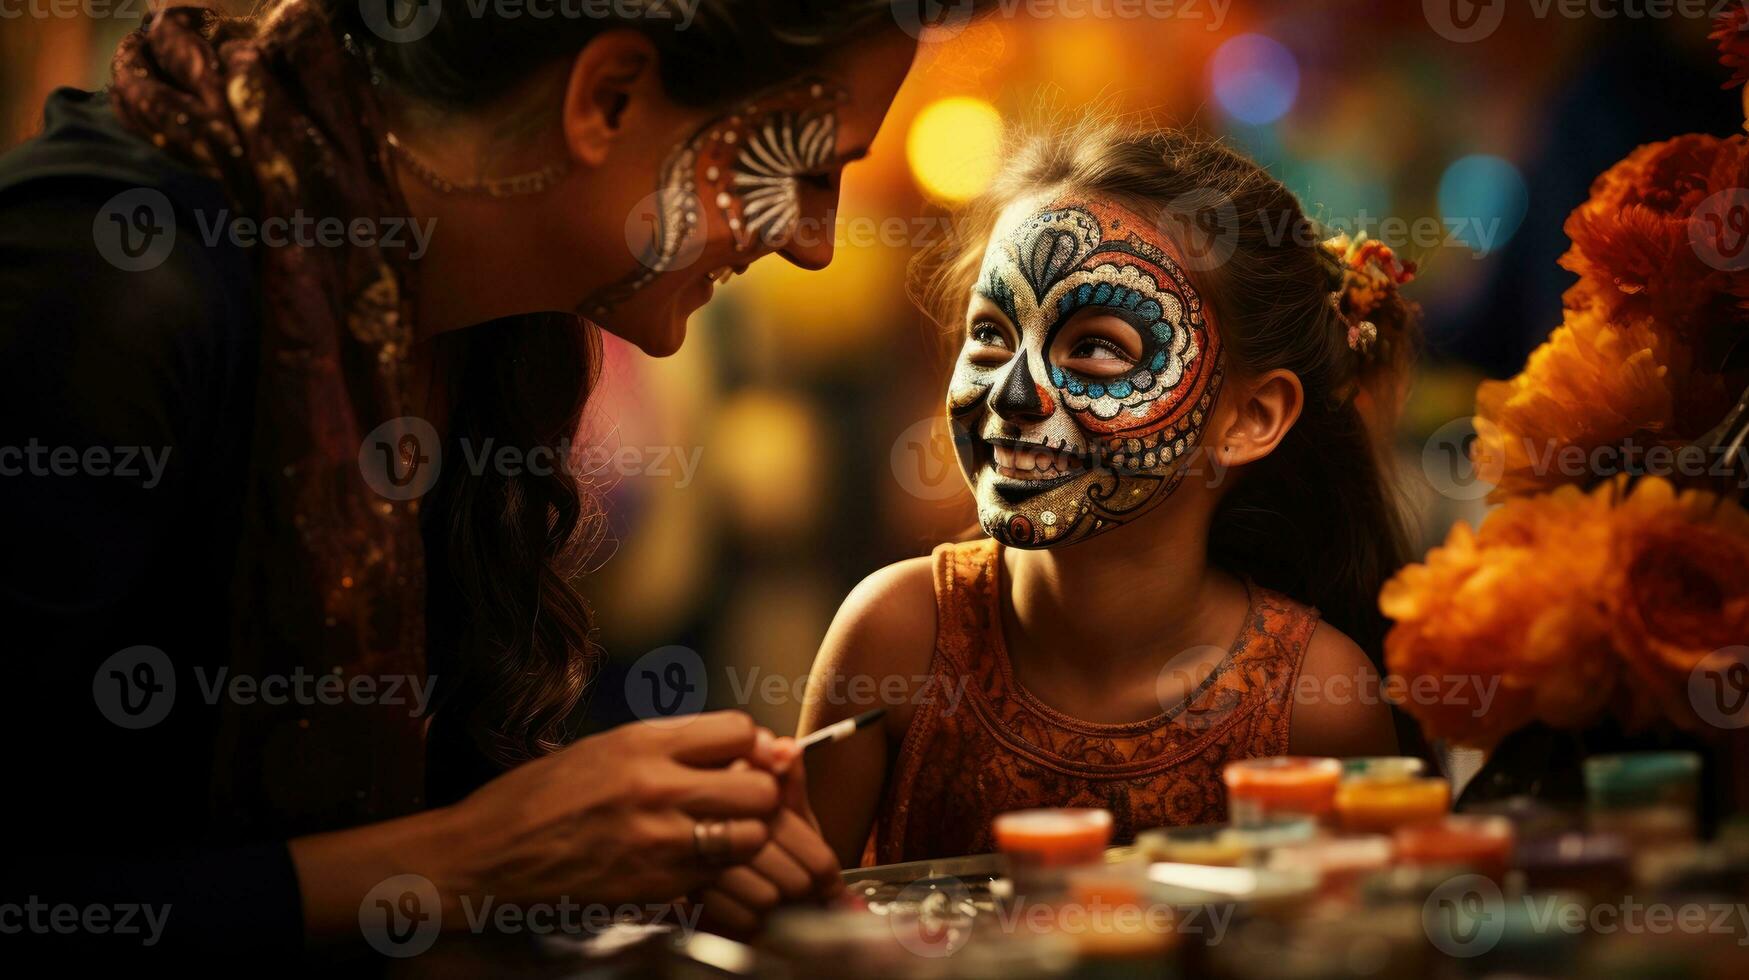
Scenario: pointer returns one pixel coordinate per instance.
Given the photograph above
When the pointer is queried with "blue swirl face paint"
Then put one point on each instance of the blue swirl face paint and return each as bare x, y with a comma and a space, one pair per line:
1054, 451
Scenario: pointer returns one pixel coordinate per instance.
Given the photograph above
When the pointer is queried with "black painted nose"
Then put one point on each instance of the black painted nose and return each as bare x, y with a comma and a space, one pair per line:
1018, 399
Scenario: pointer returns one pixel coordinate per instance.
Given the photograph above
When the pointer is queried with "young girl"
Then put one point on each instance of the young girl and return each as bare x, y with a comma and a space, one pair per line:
1161, 420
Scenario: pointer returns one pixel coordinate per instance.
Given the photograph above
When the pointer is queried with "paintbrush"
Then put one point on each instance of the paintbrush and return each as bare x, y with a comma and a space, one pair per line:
839, 731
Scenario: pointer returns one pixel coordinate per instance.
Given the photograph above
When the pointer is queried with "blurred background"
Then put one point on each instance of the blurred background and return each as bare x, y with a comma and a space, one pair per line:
795, 444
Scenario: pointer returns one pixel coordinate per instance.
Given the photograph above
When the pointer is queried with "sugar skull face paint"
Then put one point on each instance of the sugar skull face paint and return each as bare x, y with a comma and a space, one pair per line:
741, 175
1088, 374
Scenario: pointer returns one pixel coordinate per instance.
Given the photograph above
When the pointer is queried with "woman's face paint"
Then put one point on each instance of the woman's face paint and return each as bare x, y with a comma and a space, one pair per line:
1088, 373
733, 189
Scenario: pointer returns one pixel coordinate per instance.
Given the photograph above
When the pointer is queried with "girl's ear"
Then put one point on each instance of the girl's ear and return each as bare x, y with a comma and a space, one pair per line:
613, 74
1264, 411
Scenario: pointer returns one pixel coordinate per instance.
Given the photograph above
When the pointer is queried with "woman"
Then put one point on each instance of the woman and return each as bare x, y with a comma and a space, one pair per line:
249, 264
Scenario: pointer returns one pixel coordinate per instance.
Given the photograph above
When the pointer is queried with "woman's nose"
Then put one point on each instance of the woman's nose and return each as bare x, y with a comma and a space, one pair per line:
1018, 398
810, 242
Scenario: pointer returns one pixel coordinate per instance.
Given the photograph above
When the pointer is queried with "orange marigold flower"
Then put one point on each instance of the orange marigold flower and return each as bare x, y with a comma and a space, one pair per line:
1678, 590
1731, 33
1517, 610
1592, 384
1638, 242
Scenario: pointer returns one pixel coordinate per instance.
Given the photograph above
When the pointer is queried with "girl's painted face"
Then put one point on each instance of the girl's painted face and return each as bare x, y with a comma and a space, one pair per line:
1088, 373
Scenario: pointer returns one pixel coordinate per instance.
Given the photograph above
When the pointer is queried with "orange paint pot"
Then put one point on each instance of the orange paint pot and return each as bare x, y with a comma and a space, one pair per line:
1380, 806
1261, 789
1482, 844
1053, 838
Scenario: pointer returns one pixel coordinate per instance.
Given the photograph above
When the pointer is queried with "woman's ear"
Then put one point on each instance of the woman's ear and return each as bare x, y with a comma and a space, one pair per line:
613, 73
1264, 411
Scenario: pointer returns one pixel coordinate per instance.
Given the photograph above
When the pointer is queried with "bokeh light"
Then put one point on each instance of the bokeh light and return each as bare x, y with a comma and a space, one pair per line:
1482, 200
1255, 78
954, 146
765, 450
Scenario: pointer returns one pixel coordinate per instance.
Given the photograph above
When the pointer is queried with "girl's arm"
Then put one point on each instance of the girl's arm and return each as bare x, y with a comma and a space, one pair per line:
1339, 706
876, 655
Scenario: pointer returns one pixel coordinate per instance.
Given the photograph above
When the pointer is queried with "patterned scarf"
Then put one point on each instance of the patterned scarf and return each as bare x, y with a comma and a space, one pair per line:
331, 575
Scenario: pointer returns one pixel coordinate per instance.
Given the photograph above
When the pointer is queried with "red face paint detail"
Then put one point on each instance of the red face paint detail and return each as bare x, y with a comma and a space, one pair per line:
1047, 398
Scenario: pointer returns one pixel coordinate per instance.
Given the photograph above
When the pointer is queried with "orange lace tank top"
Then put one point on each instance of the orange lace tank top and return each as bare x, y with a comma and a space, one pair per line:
999, 748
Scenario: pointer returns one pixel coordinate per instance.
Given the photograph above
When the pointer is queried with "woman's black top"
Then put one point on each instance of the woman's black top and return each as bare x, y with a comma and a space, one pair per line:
127, 359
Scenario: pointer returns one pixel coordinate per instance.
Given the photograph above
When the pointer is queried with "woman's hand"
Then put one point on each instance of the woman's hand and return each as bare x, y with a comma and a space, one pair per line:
608, 820
795, 865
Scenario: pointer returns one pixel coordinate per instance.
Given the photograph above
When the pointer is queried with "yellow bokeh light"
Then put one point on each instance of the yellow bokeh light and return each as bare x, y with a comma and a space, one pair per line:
953, 146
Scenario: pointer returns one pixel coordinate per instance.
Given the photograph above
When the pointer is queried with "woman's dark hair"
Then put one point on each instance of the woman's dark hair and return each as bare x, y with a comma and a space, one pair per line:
1317, 518
509, 632
730, 48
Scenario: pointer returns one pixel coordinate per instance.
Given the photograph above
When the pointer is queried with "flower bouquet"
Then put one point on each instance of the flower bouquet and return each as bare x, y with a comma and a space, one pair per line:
1608, 593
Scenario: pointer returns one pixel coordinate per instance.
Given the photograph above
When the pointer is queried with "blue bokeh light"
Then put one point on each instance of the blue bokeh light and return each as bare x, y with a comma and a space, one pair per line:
1482, 200
1255, 78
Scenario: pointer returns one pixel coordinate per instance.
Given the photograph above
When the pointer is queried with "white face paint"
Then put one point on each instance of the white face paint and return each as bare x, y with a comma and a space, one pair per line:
1088, 373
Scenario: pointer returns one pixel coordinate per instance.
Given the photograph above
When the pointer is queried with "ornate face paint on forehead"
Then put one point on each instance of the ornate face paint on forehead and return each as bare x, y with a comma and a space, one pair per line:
741, 174
1055, 451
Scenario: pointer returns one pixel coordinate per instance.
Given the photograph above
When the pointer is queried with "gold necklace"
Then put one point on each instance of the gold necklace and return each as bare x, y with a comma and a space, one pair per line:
516, 185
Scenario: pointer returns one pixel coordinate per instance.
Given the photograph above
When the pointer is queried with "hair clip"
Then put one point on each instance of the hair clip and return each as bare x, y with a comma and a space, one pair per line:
1371, 272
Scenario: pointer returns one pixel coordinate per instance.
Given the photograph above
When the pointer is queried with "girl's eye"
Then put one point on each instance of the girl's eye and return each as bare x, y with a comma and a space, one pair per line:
1095, 349
1097, 345
988, 335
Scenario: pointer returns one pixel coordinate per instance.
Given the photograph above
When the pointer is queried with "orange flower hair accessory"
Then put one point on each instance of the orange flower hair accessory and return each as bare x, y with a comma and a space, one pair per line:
1371, 273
